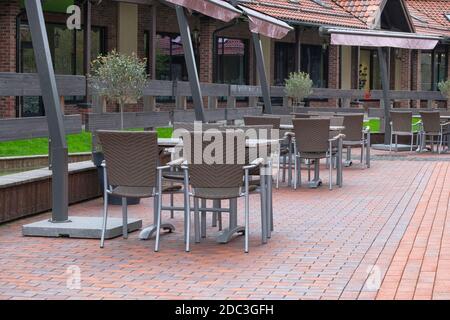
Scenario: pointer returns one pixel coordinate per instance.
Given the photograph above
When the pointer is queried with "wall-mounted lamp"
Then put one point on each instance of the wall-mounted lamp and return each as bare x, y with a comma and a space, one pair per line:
196, 36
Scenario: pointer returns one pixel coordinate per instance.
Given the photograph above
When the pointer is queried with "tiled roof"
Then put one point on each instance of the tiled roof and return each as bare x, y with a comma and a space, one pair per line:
365, 10
429, 16
318, 12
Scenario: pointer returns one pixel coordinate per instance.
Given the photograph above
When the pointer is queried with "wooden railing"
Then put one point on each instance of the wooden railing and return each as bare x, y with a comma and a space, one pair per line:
14, 84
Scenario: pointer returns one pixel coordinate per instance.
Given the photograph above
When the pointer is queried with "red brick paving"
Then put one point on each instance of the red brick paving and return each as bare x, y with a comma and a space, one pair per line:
387, 223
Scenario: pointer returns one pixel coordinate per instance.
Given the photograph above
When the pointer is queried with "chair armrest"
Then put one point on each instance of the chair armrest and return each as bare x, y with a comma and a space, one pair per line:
176, 163
103, 164
339, 136
445, 124
366, 130
254, 164
289, 134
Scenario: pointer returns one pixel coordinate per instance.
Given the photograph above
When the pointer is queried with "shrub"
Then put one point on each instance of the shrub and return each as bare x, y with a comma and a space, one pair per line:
119, 77
298, 86
444, 87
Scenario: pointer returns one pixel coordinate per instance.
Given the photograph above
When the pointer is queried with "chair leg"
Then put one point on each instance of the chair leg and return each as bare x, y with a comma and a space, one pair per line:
299, 176
159, 206
263, 200
187, 212
247, 219
295, 172
330, 173
105, 218
396, 143
440, 144
284, 169
203, 218
412, 142
171, 205
390, 146
196, 220
124, 218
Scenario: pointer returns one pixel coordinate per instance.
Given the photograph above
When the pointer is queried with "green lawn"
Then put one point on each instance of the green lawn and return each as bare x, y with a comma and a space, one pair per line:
39, 146
82, 142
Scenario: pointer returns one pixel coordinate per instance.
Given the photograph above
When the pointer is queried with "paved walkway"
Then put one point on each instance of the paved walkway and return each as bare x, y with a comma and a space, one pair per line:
384, 235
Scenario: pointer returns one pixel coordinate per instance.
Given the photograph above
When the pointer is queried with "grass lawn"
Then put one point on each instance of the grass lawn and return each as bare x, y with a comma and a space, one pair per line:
82, 142
39, 146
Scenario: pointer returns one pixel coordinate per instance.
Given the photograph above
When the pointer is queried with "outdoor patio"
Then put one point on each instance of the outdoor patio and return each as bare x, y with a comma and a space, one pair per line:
388, 224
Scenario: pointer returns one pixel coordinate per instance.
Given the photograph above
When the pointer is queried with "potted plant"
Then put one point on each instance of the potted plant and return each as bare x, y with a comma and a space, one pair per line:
444, 87
297, 87
119, 78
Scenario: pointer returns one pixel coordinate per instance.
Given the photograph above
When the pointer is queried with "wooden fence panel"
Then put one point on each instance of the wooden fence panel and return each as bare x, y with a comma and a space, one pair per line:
36, 127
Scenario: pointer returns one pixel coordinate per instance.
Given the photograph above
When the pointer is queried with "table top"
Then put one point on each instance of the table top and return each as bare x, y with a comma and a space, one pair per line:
172, 142
291, 126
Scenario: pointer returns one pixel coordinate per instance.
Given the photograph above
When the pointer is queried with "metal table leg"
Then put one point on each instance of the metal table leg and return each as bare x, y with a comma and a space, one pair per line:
226, 235
148, 232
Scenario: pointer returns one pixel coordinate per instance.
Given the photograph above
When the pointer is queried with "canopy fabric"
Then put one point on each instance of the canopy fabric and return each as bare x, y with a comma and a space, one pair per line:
266, 25
377, 38
217, 9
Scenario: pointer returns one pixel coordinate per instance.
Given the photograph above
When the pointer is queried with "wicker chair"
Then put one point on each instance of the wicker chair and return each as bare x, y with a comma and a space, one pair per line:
218, 179
312, 142
432, 127
356, 136
401, 125
176, 175
283, 148
131, 171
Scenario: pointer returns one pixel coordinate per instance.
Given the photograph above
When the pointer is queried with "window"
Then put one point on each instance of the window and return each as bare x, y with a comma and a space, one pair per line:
433, 68
314, 61
170, 63
231, 61
284, 62
66, 47
369, 70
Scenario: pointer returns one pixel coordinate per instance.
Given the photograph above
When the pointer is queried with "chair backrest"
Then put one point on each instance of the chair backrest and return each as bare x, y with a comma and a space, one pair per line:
353, 124
131, 157
266, 120
334, 120
311, 135
301, 115
431, 121
321, 113
261, 131
219, 166
401, 121
189, 126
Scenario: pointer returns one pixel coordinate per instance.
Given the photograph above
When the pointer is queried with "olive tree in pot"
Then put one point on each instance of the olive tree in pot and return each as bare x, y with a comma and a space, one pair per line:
119, 78
297, 87
444, 87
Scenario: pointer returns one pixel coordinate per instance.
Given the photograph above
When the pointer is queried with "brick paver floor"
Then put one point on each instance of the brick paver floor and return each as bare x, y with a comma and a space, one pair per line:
384, 235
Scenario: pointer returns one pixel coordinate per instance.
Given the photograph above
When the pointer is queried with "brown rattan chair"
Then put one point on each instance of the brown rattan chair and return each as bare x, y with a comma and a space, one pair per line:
432, 127
401, 125
312, 142
131, 171
283, 149
356, 136
222, 177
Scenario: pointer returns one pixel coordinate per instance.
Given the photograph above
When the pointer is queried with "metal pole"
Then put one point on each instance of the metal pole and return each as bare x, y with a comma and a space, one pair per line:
386, 99
262, 73
191, 65
87, 44
52, 110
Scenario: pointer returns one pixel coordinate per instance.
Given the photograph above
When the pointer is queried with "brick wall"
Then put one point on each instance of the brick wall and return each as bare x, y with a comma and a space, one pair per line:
8, 12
